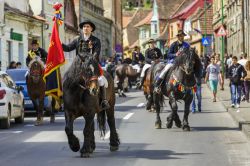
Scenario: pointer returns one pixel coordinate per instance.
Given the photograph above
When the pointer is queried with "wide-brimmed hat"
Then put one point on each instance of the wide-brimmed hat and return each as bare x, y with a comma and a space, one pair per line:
151, 41
180, 32
35, 42
87, 22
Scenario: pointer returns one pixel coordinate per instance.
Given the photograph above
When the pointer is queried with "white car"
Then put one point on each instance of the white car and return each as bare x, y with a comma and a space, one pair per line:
11, 101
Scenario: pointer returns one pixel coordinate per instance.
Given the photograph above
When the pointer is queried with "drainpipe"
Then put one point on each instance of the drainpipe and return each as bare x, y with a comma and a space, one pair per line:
243, 27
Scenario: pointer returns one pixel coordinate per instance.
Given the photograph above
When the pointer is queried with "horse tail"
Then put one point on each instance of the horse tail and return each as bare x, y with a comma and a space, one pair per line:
101, 120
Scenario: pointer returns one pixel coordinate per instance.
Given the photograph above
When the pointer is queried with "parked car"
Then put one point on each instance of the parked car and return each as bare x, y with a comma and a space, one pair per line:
18, 75
11, 101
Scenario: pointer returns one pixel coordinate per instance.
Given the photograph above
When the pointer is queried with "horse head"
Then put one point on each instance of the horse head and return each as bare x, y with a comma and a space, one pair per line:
186, 60
36, 67
89, 74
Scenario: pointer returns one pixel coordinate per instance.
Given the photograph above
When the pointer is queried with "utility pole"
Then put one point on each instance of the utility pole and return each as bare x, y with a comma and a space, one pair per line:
222, 39
205, 7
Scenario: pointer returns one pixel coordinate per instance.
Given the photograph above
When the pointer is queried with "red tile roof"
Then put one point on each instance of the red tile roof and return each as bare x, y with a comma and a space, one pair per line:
146, 20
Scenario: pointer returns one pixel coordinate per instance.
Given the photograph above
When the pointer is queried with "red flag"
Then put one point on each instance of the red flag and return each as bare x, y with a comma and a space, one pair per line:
55, 53
55, 59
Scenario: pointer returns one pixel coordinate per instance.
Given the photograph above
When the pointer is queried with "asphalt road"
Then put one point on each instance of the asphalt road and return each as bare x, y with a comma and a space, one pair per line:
214, 139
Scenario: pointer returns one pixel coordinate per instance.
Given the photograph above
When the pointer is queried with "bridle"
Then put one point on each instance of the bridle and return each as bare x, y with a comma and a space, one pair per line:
87, 81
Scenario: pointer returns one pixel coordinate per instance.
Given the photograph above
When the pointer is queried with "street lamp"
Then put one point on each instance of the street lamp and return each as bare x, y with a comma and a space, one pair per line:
222, 40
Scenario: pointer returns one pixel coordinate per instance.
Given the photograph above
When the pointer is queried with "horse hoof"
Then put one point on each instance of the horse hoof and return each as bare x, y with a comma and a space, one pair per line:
186, 128
113, 148
52, 119
85, 155
149, 110
38, 123
158, 126
74, 144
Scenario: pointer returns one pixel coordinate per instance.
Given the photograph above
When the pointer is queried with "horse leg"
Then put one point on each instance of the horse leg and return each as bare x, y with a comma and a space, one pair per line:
114, 138
52, 114
188, 101
73, 141
39, 111
174, 108
92, 140
149, 102
156, 101
88, 133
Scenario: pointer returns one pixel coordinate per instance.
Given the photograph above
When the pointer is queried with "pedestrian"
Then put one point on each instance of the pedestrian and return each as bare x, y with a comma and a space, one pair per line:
243, 62
213, 75
198, 95
18, 65
12, 65
247, 81
218, 62
237, 74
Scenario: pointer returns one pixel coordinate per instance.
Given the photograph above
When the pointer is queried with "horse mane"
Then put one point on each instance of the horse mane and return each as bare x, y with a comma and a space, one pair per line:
189, 54
78, 69
36, 59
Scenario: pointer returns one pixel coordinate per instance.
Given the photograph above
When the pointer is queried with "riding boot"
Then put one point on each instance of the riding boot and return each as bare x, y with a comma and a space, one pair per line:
104, 104
158, 83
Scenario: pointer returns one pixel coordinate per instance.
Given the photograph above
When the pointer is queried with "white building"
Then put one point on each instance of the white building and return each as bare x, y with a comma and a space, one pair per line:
17, 27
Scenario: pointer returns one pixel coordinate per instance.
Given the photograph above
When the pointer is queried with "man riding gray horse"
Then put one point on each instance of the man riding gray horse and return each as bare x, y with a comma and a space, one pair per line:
86, 42
173, 52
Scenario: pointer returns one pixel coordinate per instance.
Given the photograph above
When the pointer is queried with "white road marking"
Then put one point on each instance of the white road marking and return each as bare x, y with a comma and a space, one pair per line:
29, 125
128, 116
11, 132
107, 135
140, 105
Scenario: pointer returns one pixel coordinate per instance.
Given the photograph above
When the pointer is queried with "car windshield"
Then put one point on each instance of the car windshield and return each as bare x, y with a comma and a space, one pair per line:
17, 75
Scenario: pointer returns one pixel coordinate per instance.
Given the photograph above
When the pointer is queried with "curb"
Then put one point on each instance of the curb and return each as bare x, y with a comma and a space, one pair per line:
243, 125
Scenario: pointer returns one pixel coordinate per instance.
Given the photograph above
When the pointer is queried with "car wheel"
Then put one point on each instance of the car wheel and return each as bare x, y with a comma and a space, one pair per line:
21, 118
5, 123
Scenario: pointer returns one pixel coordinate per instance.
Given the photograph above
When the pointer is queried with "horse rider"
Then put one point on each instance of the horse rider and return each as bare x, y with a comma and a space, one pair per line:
173, 52
36, 51
152, 55
137, 59
91, 45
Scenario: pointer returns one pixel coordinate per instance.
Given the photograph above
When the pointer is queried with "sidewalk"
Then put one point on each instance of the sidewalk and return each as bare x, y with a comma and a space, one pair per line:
240, 115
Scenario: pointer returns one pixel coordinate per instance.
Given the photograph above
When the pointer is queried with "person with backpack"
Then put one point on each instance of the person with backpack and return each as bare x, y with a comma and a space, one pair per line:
236, 73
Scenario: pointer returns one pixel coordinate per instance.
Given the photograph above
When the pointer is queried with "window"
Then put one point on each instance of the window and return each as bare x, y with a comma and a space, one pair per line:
20, 53
9, 51
155, 28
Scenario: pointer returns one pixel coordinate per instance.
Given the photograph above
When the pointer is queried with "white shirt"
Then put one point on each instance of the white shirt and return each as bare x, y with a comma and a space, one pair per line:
243, 62
86, 37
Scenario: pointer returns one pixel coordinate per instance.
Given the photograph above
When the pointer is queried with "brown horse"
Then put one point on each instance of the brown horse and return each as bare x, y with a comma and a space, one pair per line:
81, 99
36, 89
148, 87
124, 71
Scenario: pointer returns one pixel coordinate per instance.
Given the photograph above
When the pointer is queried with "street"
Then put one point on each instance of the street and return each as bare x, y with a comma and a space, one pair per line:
214, 139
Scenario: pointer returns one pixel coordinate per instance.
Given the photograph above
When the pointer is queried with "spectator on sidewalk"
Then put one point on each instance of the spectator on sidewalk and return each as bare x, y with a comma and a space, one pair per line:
243, 62
236, 74
218, 62
213, 75
12, 65
247, 81
198, 95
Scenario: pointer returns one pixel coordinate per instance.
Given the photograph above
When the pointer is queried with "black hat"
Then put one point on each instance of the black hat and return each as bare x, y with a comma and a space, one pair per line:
87, 22
35, 42
151, 41
180, 32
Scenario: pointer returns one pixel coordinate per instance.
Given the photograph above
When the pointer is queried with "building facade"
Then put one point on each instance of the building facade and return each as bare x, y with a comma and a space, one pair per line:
219, 7
18, 26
